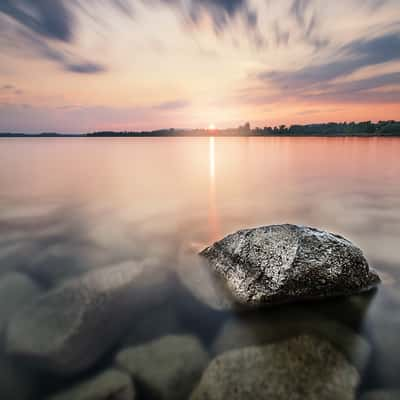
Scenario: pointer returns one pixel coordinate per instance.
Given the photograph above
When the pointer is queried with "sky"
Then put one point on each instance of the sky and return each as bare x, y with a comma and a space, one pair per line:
76, 66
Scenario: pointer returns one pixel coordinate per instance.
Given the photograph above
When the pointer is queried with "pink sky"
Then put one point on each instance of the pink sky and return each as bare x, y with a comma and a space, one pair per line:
138, 65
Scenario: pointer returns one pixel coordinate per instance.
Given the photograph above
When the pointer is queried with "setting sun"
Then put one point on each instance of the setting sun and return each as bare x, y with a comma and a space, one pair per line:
211, 127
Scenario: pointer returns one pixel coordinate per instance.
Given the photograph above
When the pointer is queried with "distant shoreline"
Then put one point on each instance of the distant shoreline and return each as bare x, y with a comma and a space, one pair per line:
333, 129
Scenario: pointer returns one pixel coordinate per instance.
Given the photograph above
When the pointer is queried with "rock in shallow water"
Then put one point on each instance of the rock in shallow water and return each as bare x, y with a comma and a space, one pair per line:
169, 367
285, 263
109, 385
301, 368
68, 329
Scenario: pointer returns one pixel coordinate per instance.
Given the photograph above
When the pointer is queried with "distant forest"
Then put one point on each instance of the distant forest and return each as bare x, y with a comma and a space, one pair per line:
367, 128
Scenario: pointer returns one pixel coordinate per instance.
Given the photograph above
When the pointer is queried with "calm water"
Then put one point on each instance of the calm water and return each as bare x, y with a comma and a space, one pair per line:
71, 206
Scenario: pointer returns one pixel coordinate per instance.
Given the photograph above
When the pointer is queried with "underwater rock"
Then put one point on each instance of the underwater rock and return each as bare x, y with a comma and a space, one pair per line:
305, 367
268, 327
286, 263
169, 367
16, 291
68, 329
111, 384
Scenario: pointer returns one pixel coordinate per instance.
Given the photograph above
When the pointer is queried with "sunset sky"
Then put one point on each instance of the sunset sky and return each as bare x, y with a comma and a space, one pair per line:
84, 65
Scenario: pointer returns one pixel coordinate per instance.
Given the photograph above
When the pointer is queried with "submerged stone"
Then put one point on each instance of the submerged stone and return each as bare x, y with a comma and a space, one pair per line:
305, 367
169, 367
111, 384
285, 263
68, 329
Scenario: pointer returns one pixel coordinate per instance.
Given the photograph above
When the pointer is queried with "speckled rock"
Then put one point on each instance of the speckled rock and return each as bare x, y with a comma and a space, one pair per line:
169, 367
381, 395
286, 263
301, 368
111, 384
16, 291
68, 329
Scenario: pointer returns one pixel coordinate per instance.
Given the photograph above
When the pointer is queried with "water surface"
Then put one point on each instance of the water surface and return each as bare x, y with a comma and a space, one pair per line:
69, 206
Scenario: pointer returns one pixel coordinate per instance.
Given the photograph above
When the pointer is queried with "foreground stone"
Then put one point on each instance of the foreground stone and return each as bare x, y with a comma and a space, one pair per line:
68, 329
286, 263
16, 291
169, 367
108, 385
301, 368
268, 327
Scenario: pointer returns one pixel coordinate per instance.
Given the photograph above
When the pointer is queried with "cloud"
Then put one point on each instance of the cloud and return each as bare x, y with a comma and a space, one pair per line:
49, 18
350, 58
172, 105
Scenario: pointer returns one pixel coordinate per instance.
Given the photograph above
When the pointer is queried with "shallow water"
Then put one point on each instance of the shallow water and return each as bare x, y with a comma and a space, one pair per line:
69, 207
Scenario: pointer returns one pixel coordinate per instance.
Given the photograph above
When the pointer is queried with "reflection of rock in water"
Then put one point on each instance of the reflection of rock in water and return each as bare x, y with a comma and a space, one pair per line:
286, 263
168, 368
68, 329
275, 325
111, 384
301, 368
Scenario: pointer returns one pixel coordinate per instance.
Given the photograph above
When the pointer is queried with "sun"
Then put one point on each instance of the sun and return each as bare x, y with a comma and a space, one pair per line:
212, 127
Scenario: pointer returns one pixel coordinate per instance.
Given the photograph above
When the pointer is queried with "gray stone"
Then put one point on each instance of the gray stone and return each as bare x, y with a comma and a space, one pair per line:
169, 367
16, 291
265, 328
381, 395
305, 367
286, 263
69, 328
111, 384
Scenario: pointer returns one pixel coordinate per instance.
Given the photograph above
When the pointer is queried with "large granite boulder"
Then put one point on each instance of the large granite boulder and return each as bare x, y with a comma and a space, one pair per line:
68, 329
108, 385
301, 368
286, 263
168, 368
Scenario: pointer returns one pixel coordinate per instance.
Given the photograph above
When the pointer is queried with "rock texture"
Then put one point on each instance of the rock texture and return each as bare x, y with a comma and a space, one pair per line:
68, 329
169, 367
285, 263
301, 368
109, 385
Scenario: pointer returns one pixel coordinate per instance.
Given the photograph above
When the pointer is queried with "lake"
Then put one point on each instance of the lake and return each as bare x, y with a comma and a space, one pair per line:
72, 207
